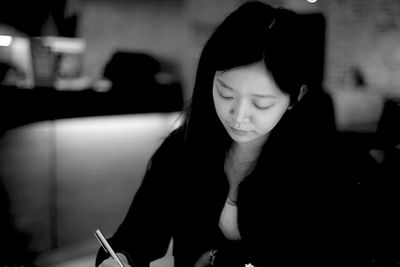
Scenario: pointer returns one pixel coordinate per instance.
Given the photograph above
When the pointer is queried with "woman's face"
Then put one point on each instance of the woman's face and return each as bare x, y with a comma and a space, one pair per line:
248, 102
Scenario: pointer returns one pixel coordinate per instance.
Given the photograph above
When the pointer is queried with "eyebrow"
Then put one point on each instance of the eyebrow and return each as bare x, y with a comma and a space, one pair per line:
256, 95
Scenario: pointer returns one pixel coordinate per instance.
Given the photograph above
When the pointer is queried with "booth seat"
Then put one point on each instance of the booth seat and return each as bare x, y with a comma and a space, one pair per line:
66, 178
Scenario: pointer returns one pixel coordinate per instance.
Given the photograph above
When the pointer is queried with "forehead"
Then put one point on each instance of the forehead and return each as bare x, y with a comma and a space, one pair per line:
250, 79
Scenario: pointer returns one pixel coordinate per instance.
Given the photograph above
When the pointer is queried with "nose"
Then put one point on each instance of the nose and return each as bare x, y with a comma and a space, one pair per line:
240, 112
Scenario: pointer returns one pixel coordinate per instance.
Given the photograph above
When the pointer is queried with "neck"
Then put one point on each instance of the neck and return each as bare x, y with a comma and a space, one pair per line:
249, 150
239, 163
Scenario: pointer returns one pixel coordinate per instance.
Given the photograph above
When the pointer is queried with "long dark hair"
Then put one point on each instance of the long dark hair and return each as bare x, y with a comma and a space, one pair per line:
253, 32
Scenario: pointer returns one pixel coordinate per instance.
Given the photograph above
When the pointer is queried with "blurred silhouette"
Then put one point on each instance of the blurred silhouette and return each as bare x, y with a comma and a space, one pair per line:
126, 69
136, 82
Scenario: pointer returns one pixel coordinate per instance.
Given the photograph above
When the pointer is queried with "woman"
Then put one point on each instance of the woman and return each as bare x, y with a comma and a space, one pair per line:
240, 182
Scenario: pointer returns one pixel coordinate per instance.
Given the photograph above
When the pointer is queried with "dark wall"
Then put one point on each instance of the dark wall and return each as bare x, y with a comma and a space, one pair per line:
29, 16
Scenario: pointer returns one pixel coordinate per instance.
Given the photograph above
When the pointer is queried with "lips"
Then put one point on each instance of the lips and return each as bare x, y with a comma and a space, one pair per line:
238, 132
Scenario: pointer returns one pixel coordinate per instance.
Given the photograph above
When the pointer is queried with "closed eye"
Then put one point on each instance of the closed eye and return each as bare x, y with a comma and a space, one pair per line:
224, 96
262, 107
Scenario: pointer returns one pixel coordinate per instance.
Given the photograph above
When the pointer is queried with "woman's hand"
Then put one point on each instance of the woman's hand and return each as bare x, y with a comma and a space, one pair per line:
110, 262
204, 260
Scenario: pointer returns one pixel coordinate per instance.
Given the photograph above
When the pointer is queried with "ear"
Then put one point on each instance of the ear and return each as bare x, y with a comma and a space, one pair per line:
303, 91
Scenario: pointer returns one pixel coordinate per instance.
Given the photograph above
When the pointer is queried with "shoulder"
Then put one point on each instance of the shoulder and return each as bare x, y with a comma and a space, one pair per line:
174, 140
166, 161
171, 148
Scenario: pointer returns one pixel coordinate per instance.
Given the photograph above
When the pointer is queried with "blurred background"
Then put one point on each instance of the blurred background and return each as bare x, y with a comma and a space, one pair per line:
90, 87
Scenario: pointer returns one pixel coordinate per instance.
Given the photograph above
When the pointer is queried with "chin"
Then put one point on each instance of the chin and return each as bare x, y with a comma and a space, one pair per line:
241, 139
249, 140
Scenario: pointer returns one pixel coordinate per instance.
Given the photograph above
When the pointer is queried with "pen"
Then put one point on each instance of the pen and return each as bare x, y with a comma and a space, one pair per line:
107, 246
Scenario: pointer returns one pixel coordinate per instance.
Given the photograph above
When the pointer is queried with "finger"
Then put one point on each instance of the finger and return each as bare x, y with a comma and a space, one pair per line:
204, 260
109, 263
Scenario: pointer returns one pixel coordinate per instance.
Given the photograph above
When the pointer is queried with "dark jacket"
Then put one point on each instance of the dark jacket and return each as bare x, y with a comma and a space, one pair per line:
315, 212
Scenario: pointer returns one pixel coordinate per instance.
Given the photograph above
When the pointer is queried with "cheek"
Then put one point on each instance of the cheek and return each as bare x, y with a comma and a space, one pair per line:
266, 122
221, 107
